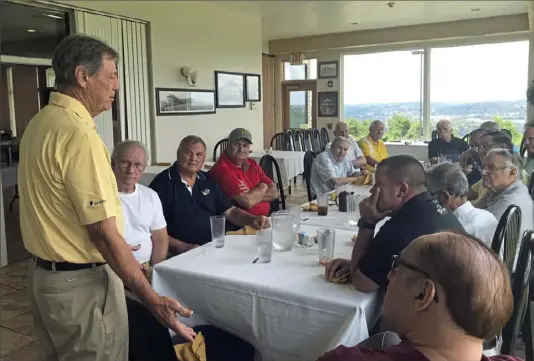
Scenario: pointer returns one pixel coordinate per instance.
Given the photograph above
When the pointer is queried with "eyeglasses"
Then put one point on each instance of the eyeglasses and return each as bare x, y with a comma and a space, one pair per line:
124, 164
397, 261
491, 168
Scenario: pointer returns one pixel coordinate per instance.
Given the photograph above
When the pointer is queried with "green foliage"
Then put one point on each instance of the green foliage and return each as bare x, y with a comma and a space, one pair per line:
507, 124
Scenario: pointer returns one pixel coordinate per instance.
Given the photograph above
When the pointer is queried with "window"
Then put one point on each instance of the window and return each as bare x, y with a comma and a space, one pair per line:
473, 84
385, 86
308, 70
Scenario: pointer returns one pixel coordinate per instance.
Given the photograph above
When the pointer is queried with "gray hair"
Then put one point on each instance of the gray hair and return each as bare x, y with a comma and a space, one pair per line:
447, 177
338, 141
444, 122
126, 145
79, 50
187, 142
338, 125
511, 159
490, 125
374, 124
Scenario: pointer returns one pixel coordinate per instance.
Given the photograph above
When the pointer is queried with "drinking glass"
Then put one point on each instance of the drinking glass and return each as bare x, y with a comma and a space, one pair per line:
326, 241
295, 212
218, 227
264, 240
322, 204
353, 211
283, 231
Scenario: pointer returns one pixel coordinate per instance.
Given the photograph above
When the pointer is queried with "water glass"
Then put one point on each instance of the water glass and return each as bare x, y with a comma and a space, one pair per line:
322, 204
353, 211
264, 240
283, 231
218, 227
295, 212
326, 241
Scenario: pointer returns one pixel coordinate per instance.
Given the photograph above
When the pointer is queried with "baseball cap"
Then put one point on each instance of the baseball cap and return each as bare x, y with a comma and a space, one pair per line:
238, 134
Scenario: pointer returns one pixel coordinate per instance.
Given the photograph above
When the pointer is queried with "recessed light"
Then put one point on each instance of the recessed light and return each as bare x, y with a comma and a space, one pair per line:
475, 9
31, 30
53, 16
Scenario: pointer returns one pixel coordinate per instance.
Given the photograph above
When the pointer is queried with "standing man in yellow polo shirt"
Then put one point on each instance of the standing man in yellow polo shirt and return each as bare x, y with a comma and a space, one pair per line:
71, 217
373, 147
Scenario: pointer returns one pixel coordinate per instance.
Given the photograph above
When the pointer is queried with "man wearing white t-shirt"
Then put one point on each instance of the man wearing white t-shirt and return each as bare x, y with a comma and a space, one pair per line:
145, 228
354, 154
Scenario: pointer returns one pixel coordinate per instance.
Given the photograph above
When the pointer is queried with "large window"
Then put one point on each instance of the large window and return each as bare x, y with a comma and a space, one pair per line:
473, 84
388, 87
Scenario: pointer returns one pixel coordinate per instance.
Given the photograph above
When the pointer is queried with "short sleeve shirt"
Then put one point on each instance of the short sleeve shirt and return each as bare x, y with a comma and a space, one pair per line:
325, 168
354, 151
65, 183
229, 176
188, 211
419, 216
451, 150
375, 150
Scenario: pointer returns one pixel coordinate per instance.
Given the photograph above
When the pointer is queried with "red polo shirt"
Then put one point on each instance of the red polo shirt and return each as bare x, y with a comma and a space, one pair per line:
229, 175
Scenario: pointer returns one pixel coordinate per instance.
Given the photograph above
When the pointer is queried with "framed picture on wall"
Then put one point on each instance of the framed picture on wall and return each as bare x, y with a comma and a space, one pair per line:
327, 69
327, 104
230, 89
253, 86
184, 101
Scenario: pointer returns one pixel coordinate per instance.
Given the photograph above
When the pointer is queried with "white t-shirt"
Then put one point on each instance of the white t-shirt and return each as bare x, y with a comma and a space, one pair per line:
477, 222
142, 213
354, 151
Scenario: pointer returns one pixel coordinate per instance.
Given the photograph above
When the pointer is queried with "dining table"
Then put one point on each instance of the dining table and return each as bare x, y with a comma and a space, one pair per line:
286, 308
291, 163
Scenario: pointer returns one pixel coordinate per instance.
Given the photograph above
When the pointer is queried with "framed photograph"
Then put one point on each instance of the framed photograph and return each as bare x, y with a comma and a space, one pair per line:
230, 89
327, 69
184, 101
253, 86
328, 104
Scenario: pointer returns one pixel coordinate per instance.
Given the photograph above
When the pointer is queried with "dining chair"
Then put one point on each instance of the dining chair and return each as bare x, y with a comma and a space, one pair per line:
531, 186
289, 132
281, 141
325, 138
507, 234
299, 140
269, 165
219, 148
308, 140
309, 157
316, 141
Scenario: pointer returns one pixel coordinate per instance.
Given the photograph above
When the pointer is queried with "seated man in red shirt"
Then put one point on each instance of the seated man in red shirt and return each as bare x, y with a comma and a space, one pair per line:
447, 293
241, 178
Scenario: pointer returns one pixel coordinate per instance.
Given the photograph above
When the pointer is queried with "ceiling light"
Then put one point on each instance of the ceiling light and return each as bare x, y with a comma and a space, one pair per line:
475, 9
354, 23
53, 16
31, 30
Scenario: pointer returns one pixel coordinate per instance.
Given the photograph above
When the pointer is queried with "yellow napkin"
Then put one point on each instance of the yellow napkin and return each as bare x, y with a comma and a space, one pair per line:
246, 231
192, 351
310, 207
363, 181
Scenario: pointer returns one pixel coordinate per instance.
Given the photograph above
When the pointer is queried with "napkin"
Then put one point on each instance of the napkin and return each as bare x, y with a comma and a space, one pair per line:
192, 351
246, 231
310, 207
363, 181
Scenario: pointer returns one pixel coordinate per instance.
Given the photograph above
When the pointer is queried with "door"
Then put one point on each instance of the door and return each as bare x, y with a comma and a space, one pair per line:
299, 99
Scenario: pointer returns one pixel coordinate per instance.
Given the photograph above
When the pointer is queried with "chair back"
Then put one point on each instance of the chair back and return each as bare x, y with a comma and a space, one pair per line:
531, 185
309, 157
465, 138
507, 234
269, 165
520, 290
523, 148
289, 133
281, 141
308, 140
219, 148
434, 135
507, 133
325, 138
316, 141
298, 140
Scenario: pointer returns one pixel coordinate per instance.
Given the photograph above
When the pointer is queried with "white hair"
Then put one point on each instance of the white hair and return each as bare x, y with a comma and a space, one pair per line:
124, 146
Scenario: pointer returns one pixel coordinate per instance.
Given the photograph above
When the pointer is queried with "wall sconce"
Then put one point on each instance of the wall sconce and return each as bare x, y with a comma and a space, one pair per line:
189, 74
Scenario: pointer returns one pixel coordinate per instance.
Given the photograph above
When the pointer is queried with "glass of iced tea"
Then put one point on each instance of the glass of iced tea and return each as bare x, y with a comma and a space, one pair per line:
322, 204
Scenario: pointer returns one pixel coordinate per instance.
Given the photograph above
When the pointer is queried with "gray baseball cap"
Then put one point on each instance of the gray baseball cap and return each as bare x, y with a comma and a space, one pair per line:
239, 134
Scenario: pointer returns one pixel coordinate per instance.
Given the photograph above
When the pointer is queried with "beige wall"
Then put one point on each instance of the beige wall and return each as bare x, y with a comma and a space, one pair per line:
206, 37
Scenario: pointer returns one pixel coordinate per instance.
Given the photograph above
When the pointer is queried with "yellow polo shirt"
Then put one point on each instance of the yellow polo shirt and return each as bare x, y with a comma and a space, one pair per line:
65, 182
376, 150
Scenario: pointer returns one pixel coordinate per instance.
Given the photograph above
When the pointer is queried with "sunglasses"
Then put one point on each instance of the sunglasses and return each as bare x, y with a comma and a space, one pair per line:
396, 262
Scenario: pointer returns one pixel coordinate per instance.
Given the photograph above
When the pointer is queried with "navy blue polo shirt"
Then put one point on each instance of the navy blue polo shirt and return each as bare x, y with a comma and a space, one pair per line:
188, 212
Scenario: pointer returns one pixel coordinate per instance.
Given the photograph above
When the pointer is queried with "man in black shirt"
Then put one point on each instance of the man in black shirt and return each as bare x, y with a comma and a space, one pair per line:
400, 192
447, 146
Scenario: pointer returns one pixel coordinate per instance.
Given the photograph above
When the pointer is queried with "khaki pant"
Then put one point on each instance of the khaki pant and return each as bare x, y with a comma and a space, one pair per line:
79, 315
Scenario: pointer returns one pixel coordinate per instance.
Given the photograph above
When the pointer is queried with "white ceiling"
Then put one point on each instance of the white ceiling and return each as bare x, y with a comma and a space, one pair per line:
288, 19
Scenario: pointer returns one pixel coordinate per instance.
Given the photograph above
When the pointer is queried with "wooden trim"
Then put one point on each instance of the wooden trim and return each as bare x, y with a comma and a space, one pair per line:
298, 85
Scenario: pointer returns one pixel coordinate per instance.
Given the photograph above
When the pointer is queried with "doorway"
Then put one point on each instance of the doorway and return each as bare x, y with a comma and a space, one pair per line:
298, 104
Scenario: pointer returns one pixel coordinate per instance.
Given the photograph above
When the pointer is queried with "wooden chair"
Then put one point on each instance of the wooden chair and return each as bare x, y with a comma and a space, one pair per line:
507, 233
269, 165
219, 148
309, 157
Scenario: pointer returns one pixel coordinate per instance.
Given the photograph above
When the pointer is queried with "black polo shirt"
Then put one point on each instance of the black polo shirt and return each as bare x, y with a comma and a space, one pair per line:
188, 213
419, 216
452, 150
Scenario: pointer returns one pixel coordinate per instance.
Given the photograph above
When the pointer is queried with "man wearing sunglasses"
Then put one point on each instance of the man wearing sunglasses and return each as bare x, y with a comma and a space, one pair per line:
447, 293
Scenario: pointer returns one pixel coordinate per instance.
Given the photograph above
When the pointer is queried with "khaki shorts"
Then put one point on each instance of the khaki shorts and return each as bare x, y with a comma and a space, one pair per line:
79, 315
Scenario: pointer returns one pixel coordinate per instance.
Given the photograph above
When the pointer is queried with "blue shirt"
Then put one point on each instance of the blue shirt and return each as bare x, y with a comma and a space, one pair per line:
188, 212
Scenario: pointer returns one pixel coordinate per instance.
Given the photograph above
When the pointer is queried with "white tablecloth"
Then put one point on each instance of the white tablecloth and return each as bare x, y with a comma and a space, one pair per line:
285, 308
291, 163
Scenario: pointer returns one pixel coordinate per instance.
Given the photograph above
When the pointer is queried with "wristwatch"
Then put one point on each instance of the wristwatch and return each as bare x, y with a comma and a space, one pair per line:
362, 224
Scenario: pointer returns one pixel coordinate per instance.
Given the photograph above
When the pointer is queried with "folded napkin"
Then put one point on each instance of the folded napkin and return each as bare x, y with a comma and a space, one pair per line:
310, 207
246, 231
363, 181
192, 351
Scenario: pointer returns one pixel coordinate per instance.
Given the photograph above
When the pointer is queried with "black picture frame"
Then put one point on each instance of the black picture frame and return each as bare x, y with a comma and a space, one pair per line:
328, 104
165, 108
253, 95
324, 69
230, 88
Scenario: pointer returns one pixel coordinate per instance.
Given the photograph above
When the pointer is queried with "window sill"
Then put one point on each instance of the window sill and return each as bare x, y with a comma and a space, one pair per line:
408, 143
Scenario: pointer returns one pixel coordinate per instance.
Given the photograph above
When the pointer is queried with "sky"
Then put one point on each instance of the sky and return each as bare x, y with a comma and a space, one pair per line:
463, 74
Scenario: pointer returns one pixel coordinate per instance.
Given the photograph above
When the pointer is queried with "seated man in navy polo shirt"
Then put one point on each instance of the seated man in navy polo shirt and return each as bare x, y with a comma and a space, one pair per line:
399, 192
189, 199
447, 146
